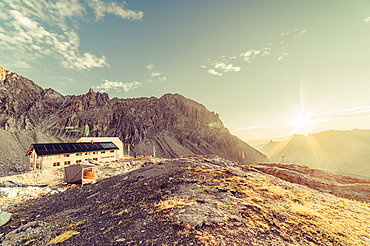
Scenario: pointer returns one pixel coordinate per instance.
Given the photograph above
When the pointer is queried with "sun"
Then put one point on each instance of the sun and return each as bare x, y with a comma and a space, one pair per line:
303, 124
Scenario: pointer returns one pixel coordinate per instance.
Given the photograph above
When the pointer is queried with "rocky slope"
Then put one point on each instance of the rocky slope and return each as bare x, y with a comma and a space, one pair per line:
342, 186
174, 124
342, 152
202, 200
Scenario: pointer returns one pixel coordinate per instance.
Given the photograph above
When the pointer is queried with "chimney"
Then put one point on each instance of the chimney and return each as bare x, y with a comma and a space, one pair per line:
92, 141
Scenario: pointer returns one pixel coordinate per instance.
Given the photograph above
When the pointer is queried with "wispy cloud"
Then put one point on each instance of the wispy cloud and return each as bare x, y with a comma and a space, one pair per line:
356, 108
155, 74
222, 64
227, 67
118, 86
40, 28
359, 111
249, 55
162, 79
281, 57
101, 8
150, 66
367, 20
212, 71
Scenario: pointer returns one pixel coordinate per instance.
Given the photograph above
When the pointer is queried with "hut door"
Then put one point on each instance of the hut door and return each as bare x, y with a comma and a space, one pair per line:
89, 173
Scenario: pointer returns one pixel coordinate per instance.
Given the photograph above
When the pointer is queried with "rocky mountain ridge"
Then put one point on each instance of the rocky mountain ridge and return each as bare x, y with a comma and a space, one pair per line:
177, 126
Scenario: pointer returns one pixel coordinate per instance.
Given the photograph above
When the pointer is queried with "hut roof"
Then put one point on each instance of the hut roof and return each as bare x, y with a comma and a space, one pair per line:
67, 148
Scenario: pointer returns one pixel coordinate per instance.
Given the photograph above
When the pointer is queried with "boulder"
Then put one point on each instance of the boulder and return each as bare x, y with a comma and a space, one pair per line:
4, 217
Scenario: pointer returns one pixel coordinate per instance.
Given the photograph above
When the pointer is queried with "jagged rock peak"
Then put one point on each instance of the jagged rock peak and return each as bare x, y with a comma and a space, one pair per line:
3, 72
91, 94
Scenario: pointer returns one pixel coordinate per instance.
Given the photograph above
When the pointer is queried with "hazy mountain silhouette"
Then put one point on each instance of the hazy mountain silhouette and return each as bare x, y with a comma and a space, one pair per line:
343, 152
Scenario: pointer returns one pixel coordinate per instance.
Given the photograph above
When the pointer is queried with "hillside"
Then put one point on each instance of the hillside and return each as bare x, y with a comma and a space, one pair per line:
202, 200
342, 186
342, 152
177, 126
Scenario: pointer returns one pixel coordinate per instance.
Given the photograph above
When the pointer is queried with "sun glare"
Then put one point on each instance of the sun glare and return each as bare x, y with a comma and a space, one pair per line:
303, 124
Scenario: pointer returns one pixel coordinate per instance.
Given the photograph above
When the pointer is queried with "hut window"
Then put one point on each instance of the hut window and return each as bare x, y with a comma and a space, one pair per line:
79, 154
67, 155
56, 164
67, 162
78, 161
112, 151
87, 153
94, 153
103, 152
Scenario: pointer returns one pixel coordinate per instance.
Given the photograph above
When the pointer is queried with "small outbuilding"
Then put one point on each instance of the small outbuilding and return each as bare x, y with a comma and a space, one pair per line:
79, 174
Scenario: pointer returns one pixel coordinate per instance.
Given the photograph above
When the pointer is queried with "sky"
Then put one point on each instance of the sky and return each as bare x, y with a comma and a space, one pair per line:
268, 68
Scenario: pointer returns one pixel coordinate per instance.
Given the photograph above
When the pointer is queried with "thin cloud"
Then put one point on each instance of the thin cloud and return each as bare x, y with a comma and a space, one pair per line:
221, 67
162, 79
222, 64
367, 20
249, 55
227, 68
118, 86
359, 111
356, 108
155, 74
281, 57
101, 8
150, 66
41, 28
285, 33
212, 71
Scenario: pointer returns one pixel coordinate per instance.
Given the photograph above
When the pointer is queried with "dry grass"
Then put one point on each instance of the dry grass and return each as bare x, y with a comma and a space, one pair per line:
173, 203
303, 210
290, 210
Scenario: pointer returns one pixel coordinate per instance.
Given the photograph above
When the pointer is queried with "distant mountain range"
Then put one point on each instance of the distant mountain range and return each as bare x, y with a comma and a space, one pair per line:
342, 152
177, 126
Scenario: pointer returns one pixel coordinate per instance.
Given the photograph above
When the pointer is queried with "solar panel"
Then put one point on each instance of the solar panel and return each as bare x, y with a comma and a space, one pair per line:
108, 145
63, 148
49, 148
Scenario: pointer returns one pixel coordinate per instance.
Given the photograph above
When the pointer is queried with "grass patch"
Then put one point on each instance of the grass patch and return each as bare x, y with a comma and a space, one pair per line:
173, 203
61, 238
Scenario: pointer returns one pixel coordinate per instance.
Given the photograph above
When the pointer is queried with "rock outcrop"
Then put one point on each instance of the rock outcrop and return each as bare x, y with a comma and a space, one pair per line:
175, 125
2, 73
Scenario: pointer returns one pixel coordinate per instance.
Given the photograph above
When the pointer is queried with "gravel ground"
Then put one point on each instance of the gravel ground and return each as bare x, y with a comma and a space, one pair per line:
189, 201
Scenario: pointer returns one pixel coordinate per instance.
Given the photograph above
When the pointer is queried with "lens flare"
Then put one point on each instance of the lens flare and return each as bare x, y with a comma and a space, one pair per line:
303, 124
